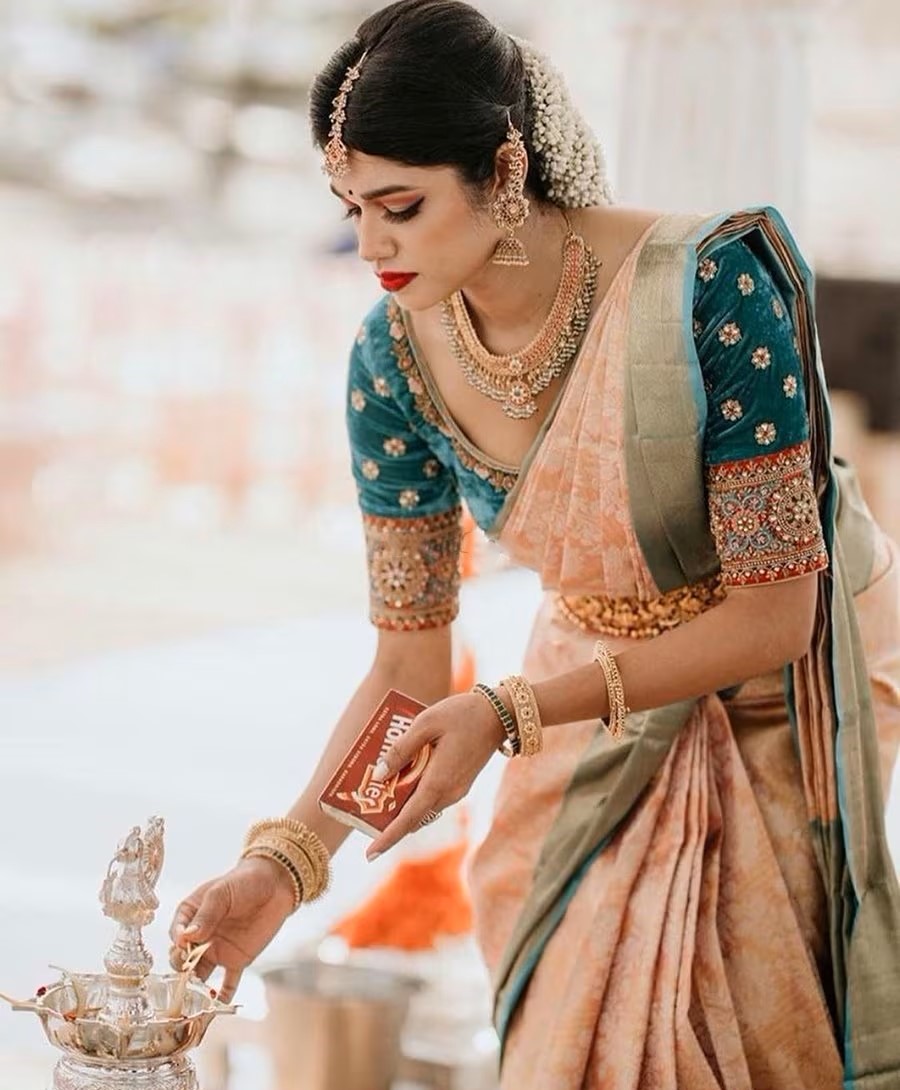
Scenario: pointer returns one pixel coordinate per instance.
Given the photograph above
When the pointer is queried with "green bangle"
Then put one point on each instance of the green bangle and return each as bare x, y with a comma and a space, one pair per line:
513, 743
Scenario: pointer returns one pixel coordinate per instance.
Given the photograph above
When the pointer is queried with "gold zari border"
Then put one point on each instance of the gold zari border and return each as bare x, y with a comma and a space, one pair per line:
637, 618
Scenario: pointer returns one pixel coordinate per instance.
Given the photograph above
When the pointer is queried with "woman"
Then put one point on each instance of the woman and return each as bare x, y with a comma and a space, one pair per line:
698, 893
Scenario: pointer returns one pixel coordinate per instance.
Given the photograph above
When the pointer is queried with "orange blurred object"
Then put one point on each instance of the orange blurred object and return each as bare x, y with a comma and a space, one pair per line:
463, 670
467, 548
421, 902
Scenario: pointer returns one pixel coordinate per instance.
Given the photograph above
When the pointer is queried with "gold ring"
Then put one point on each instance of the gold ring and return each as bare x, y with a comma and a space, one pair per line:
429, 816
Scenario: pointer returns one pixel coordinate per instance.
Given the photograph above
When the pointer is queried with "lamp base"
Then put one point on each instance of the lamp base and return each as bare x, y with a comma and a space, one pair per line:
79, 1074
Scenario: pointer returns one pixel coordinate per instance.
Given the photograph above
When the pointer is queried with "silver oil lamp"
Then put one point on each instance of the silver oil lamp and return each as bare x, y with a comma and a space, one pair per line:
128, 1028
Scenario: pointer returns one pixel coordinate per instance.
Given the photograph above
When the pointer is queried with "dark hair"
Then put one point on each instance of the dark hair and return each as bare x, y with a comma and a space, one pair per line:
435, 89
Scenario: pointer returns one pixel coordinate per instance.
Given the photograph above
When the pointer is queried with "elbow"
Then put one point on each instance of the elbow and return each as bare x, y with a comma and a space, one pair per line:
796, 642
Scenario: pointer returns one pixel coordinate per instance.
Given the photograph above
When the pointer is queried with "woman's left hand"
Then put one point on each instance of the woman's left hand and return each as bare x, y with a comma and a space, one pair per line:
464, 732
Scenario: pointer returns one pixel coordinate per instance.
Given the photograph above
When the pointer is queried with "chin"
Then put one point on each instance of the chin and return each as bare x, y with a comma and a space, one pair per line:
418, 297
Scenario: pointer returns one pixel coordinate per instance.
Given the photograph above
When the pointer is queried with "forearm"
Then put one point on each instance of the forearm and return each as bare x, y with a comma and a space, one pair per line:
750, 634
408, 676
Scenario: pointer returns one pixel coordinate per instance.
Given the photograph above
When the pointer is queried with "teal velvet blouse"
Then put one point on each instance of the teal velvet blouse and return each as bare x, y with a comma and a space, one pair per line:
412, 468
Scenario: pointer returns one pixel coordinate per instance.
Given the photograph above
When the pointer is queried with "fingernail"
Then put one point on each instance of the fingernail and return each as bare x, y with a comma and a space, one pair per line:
381, 770
191, 928
372, 856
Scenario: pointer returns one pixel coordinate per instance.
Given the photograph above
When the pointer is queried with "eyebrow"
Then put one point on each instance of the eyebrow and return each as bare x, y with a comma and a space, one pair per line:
374, 194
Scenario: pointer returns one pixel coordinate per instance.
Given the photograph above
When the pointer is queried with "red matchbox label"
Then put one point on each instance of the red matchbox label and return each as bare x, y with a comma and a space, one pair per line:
353, 796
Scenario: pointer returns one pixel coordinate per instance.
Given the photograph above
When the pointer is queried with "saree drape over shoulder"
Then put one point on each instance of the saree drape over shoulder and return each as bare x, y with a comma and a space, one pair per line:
709, 902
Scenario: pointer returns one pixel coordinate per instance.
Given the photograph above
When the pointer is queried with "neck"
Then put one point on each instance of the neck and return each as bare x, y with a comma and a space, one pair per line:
501, 298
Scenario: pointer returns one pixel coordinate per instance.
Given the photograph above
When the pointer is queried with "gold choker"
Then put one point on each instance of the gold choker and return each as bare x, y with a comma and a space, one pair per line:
517, 378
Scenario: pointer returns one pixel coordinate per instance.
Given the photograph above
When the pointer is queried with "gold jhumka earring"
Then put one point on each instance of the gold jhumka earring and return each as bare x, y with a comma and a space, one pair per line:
510, 207
336, 156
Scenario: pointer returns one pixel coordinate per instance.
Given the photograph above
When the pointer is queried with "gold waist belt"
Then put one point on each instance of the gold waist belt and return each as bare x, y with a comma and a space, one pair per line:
640, 618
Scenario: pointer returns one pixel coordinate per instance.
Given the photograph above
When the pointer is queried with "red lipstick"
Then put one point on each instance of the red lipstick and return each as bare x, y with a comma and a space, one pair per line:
395, 281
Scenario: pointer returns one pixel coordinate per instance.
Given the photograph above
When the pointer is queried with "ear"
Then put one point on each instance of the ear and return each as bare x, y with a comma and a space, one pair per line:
502, 159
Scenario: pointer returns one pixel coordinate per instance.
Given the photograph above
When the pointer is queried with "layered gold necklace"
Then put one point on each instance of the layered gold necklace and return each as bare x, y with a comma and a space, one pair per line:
515, 379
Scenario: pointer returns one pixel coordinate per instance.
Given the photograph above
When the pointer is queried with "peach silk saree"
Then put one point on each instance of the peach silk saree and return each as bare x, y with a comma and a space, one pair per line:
709, 903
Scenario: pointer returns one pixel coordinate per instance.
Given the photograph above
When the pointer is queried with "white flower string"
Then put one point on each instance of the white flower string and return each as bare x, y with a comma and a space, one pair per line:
570, 160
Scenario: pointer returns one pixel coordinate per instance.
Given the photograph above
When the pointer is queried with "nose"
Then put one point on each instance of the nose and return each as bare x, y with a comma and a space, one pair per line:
373, 240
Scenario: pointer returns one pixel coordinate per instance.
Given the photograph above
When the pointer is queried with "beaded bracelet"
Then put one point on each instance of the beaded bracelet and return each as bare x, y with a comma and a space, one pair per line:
512, 744
528, 715
614, 688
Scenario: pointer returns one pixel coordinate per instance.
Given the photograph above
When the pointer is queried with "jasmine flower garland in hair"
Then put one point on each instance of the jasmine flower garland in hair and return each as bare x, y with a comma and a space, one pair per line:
570, 159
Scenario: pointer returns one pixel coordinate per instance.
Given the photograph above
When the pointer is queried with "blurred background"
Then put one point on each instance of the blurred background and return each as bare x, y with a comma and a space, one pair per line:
182, 586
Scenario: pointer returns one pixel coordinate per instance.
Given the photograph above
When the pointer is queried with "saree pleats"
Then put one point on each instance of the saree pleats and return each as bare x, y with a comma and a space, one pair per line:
660, 972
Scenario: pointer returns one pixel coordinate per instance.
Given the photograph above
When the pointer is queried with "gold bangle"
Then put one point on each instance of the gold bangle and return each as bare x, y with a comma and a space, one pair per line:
310, 858
313, 880
296, 831
262, 851
615, 690
528, 715
512, 744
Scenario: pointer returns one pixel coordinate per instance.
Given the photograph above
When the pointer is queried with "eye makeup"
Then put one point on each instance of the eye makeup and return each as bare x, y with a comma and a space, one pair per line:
403, 216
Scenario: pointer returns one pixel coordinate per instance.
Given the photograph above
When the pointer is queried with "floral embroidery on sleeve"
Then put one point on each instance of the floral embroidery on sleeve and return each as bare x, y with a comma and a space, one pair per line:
764, 517
413, 570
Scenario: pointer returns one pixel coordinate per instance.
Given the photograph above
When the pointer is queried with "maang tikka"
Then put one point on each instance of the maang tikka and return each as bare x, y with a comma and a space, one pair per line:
336, 156
510, 207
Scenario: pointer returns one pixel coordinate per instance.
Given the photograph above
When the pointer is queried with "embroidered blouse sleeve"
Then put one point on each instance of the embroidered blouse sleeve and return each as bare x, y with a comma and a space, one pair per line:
762, 505
409, 502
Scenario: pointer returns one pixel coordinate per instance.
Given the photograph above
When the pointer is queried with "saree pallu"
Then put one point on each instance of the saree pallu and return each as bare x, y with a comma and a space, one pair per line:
709, 903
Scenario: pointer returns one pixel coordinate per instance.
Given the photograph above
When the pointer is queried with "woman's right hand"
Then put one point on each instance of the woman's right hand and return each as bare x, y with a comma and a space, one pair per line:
239, 914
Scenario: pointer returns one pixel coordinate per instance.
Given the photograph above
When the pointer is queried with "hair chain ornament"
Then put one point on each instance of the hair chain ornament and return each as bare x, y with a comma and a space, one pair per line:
516, 379
510, 207
336, 156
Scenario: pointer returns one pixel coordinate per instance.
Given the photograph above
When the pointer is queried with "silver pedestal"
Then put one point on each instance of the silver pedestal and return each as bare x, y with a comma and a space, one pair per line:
77, 1074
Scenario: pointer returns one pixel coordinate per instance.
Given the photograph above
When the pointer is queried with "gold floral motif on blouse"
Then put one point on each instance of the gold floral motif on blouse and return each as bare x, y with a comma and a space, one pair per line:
707, 269
730, 334
765, 518
394, 447
413, 570
790, 386
745, 284
380, 385
761, 358
732, 409
638, 618
358, 400
765, 433
502, 480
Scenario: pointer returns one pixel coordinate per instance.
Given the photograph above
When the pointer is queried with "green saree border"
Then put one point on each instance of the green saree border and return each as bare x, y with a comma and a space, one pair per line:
665, 410
608, 780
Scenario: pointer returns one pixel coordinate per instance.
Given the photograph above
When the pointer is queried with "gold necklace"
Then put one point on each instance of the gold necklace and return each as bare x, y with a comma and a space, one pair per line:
515, 379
